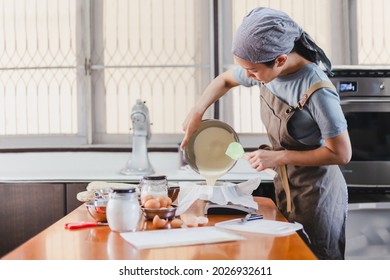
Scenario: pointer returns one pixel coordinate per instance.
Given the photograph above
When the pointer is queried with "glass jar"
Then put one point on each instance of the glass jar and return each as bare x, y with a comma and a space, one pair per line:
123, 210
154, 185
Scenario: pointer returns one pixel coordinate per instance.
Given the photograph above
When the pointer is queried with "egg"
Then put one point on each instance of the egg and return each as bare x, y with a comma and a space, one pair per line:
163, 201
202, 221
169, 201
146, 198
191, 221
195, 221
152, 203
158, 222
176, 223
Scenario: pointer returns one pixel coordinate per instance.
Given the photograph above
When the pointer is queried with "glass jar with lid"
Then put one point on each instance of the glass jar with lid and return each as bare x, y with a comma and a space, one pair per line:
156, 185
123, 210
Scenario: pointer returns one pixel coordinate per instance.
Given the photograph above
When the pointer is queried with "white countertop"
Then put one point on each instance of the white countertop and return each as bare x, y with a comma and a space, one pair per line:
103, 166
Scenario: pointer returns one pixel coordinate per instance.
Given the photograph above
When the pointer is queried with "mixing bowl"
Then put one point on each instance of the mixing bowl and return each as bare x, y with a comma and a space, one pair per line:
98, 213
213, 144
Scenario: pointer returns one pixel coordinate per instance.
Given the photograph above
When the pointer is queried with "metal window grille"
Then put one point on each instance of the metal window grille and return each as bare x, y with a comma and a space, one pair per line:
373, 32
38, 68
72, 69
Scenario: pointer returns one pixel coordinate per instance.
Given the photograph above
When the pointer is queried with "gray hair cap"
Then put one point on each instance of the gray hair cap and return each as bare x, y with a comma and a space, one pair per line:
266, 33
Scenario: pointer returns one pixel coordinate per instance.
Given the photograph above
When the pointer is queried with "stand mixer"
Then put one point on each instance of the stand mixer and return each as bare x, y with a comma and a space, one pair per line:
139, 162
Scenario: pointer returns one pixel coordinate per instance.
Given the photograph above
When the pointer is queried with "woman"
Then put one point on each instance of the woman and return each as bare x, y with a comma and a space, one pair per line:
305, 124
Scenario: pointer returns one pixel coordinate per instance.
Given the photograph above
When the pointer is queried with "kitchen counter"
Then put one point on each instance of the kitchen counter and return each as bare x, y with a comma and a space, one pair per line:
103, 166
95, 243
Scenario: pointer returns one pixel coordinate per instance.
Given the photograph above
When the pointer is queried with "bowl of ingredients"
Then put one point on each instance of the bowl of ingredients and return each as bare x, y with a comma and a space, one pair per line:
164, 213
96, 211
161, 206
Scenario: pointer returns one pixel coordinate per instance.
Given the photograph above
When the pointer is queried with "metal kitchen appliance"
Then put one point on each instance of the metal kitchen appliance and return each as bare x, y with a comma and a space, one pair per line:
139, 162
365, 100
228, 209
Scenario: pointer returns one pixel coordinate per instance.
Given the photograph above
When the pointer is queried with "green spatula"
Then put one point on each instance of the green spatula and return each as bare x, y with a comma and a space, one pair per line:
236, 151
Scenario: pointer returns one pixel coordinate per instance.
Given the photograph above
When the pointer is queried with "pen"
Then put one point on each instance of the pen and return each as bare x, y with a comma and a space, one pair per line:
257, 217
251, 217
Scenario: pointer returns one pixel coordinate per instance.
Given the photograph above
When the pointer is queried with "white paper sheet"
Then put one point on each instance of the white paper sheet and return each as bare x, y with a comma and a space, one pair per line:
178, 237
261, 226
240, 194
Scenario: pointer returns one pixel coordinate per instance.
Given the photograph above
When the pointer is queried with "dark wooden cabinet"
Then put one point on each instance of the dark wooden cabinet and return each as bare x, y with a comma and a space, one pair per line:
72, 189
26, 209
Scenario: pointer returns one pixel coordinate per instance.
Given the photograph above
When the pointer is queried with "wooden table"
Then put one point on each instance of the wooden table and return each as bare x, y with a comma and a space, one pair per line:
58, 243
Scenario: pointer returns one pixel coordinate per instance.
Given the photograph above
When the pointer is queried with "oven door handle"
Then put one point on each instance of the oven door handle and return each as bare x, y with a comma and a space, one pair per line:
365, 100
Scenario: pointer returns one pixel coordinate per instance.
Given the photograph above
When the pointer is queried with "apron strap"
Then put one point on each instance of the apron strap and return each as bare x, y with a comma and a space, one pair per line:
301, 104
286, 186
308, 93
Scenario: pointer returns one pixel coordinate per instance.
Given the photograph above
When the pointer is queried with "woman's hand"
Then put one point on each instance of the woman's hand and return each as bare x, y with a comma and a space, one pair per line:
337, 150
262, 159
190, 125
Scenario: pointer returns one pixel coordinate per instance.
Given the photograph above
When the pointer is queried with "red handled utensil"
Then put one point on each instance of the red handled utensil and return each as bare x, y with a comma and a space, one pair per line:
76, 225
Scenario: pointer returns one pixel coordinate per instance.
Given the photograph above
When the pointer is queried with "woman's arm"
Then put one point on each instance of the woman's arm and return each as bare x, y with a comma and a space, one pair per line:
337, 150
215, 90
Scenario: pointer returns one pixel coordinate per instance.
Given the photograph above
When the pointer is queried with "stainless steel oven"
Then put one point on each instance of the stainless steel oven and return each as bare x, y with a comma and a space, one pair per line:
365, 100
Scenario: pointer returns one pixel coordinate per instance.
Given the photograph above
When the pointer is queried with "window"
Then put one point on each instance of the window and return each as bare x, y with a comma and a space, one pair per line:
156, 51
71, 70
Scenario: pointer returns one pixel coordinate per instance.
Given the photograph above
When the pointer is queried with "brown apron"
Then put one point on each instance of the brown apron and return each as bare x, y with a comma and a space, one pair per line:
315, 196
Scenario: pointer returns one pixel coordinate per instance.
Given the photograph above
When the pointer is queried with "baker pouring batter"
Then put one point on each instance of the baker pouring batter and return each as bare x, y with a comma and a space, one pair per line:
306, 127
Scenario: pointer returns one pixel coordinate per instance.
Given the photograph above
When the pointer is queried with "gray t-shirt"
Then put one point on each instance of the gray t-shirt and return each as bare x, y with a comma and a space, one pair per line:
322, 116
